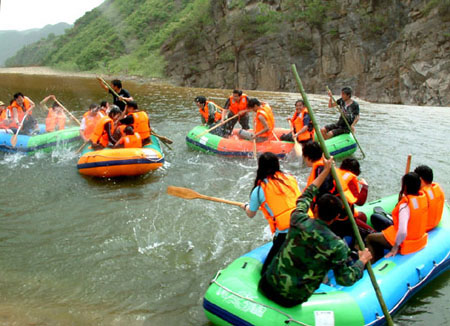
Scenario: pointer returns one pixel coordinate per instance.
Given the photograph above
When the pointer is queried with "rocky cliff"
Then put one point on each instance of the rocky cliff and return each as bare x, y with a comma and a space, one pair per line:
387, 50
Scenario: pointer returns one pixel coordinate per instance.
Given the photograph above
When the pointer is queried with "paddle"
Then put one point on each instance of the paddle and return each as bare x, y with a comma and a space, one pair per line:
162, 138
217, 125
344, 199
14, 138
81, 147
187, 193
346, 122
408, 164
297, 147
68, 112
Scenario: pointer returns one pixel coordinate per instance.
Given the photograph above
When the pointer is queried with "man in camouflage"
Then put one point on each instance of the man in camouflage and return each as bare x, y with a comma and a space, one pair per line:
310, 250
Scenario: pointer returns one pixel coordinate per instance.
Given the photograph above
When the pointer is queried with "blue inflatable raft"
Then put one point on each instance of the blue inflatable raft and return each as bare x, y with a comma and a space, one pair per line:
233, 296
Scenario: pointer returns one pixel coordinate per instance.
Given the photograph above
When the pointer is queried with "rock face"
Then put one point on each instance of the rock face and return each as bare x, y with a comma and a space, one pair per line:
388, 51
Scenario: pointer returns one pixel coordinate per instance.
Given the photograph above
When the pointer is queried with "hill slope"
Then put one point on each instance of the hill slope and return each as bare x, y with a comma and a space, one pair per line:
388, 51
12, 41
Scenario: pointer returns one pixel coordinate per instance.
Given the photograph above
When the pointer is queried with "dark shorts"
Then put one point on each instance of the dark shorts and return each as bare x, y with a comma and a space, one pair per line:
337, 129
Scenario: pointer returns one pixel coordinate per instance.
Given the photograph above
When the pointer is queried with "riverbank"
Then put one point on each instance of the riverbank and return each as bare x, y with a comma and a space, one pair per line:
47, 71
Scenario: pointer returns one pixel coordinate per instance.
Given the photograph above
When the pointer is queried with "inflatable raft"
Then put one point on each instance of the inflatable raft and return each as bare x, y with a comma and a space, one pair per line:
233, 296
42, 142
340, 146
109, 163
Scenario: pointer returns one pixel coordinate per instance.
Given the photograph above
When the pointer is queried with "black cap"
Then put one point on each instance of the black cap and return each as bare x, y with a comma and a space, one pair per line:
200, 99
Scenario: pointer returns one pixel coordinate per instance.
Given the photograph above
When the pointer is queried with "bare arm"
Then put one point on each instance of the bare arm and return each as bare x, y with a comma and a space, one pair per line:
331, 103
32, 105
102, 85
44, 101
266, 126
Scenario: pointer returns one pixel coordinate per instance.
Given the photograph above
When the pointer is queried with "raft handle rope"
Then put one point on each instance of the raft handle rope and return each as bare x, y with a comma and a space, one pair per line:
289, 318
412, 288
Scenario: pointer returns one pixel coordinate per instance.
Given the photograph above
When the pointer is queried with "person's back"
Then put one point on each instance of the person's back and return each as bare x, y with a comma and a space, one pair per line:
266, 111
131, 139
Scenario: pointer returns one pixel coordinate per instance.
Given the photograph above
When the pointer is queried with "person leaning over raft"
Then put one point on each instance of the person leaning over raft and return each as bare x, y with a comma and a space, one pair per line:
139, 120
301, 124
56, 118
236, 103
310, 250
103, 132
351, 112
406, 232
124, 95
210, 114
435, 195
264, 122
20, 105
275, 193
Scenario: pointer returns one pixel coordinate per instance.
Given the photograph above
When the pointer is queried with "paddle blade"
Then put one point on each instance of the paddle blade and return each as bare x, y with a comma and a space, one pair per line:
14, 140
298, 149
181, 192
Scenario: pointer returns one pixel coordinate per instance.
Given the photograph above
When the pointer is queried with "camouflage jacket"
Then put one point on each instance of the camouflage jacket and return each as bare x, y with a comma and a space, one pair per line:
310, 250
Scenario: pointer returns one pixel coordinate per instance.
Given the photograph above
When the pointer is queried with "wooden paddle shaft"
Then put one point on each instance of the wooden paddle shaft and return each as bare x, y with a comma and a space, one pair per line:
217, 125
408, 164
220, 200
71, 115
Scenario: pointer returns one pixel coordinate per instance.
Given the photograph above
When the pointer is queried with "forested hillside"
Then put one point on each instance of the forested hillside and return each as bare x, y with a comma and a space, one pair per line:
117, 37
388, 51
12, 41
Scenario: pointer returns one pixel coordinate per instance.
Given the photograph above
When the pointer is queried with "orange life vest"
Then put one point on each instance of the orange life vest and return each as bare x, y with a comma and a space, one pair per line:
240, 105
205, 112
267, 113
436, 199
281, 198
21, 110
10, 113
4, 124
141, 124
346, 178
100, 136
54, 119
90, 122
131, 141
416, 238
313, 174
297, 122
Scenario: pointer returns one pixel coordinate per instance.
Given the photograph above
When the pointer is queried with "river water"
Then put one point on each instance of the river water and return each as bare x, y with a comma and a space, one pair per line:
81, 251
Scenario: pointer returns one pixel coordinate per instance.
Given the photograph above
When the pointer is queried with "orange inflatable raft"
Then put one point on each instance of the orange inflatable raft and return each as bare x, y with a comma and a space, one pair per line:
119, 162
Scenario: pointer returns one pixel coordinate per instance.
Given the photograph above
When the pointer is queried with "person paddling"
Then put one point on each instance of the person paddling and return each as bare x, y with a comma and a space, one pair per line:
56, 118
236, 104
124, 95
310, 250
302, 125
22, 109
264, 122
350, 109
275, 194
